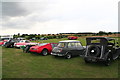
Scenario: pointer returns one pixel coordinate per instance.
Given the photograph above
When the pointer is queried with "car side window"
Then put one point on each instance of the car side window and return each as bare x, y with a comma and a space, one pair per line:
71, 45
78, 44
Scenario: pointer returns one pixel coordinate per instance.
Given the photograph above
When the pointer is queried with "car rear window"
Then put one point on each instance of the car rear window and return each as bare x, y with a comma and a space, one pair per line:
95, 41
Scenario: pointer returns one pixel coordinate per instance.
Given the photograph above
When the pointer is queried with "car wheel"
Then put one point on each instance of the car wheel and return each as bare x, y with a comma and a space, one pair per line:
45, 52
86, 60
68, 56
6, 46
11, 46
118, 57
94, 51
108, 60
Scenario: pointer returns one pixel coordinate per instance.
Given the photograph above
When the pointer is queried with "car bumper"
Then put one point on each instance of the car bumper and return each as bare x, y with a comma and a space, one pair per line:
57, 54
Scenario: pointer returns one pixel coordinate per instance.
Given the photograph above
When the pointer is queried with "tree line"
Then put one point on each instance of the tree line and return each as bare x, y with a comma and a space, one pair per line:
62, 35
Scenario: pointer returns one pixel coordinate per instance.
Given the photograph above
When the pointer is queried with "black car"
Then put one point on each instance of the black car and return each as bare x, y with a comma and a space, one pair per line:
101, 49
43, 38
10, 43
68, 48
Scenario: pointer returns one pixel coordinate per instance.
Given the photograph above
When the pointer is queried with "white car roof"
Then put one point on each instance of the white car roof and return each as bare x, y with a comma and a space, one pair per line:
70, 41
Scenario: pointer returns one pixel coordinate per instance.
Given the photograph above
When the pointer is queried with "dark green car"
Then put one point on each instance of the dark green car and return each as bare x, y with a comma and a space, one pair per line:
68, 49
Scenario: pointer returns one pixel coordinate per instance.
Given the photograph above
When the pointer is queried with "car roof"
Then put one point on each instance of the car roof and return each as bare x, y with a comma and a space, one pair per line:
70, 41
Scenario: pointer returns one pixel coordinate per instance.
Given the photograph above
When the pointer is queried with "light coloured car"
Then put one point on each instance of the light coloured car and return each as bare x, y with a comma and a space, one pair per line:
23, 43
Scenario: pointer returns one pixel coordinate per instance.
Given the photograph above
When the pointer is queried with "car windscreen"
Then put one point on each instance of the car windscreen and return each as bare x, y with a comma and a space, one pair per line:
21, 41
13, 40
27, 41
54, 45
62, 45
42, 44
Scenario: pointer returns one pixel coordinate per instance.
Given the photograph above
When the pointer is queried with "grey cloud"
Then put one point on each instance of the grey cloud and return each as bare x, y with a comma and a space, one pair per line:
23, 13
18, 24
12, 9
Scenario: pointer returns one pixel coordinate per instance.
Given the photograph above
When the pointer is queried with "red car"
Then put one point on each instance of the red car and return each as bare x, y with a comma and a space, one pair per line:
43, 48
72, 37
3, 42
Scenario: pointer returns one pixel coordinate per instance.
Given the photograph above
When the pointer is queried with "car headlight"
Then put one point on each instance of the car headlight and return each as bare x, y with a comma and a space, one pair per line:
59, 50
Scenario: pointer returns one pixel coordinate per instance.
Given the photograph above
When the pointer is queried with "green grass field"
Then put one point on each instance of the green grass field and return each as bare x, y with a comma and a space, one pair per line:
82, 40
17, 64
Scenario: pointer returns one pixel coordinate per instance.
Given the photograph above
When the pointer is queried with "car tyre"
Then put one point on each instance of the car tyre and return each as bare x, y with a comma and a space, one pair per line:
108, 60
45, 52
6, 46
118, 57
68, 56
86, 60
11, 46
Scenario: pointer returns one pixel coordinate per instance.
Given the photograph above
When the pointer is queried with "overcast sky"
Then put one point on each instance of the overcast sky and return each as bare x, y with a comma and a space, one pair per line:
58, 16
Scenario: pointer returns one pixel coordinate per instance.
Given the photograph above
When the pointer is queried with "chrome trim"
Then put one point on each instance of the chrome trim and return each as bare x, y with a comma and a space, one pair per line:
101, 52
86, 51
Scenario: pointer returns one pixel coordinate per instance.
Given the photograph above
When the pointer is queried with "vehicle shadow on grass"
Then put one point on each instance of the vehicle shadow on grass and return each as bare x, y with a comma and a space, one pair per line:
63, 58
34, 54
37, 54
101, 64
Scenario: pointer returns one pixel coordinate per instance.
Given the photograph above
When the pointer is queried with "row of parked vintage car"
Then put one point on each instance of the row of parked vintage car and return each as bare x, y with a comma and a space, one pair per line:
97, 49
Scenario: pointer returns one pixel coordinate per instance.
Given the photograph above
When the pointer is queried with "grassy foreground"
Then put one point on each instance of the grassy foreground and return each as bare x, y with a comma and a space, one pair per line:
17, 64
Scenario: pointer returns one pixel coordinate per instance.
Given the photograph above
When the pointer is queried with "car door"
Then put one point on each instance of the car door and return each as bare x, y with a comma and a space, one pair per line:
72, 48
79, 48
